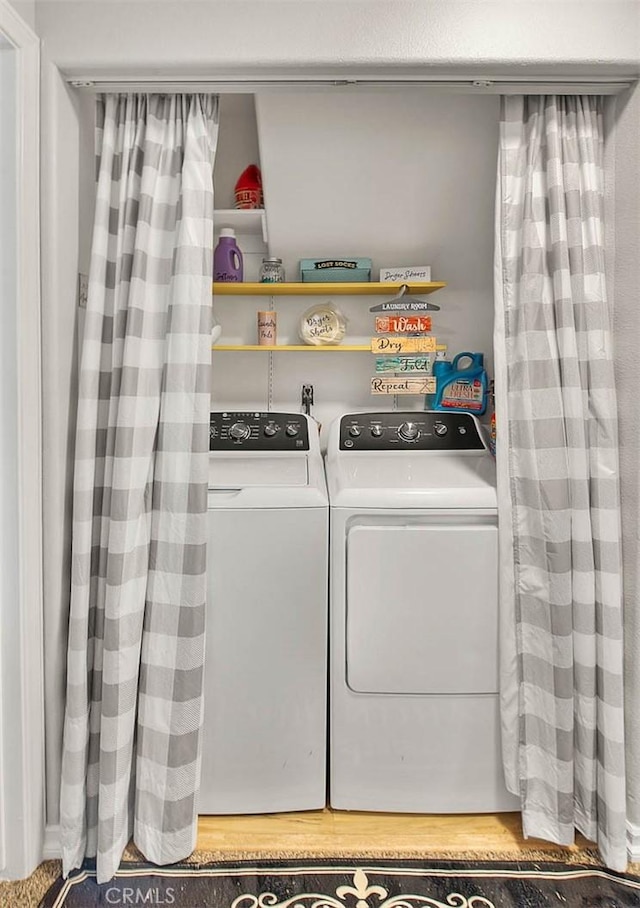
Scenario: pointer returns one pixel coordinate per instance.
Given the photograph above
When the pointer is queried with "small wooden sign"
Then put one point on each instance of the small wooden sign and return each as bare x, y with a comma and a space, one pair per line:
403, 364
403, 385
408, 305
402, 324
406, 273
396, 345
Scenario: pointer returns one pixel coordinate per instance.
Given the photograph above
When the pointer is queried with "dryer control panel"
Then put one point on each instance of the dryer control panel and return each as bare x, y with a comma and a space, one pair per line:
242, 431
410, 430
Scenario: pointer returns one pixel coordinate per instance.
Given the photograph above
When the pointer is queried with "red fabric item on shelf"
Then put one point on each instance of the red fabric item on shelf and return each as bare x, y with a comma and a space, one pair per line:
248, 189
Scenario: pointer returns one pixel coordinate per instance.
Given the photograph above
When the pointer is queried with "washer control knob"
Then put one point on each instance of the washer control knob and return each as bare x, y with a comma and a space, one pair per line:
409, 431
440, 429
239, 431
354, 431
270, 431
376, 430
291, 430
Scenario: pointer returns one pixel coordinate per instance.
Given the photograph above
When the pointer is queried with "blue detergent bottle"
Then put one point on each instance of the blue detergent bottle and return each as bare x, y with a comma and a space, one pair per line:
440, 368
462, 388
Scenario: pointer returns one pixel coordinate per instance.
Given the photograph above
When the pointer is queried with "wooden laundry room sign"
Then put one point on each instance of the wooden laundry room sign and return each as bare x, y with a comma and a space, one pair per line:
402, 324
403, 364
403, 385
403, 344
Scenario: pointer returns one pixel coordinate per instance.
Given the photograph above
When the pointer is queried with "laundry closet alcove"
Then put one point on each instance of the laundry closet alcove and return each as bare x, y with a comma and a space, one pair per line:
423, 190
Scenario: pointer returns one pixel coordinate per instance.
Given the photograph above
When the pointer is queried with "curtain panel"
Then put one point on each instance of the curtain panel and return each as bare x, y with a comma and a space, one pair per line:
131, 758
558, 492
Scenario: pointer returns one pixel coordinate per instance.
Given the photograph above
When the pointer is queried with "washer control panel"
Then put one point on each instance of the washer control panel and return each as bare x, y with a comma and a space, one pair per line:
232, 431
414, 429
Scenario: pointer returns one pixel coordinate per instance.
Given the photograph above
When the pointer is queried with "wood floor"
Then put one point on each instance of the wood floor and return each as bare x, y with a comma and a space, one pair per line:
326, 832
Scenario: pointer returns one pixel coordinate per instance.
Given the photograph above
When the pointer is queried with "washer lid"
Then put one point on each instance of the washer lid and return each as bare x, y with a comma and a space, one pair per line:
412, 480
265, 460
234, 472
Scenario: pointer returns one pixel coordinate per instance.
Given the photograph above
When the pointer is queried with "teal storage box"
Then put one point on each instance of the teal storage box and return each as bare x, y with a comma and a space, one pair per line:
334, 269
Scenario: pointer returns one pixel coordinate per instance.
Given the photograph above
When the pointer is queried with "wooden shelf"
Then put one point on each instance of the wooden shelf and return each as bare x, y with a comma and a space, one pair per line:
347, 288
296, 348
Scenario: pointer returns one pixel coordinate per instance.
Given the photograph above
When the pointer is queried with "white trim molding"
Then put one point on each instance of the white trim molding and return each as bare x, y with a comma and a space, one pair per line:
51, 849
22, 791
633, 842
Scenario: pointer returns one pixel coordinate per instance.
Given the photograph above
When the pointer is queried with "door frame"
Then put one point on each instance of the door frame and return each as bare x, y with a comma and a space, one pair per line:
21, 656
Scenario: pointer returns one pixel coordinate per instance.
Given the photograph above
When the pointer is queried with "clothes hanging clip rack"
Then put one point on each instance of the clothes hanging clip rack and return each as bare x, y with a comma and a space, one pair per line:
404, 302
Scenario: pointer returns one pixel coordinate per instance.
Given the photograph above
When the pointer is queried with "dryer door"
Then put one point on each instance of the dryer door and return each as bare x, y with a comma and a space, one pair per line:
422, 605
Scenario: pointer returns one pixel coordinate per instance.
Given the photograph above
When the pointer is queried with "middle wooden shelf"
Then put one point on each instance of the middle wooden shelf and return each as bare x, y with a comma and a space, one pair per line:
295, 348
300, 288
327, 289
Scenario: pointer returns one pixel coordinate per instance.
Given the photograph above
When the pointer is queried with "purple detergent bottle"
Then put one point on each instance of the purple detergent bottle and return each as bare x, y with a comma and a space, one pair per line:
227, 258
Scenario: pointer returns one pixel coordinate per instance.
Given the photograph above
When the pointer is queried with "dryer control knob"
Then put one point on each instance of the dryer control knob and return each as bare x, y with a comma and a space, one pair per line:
270, 431
376, 430
409, 431
291, 430
239, 431
440, 429
354, 431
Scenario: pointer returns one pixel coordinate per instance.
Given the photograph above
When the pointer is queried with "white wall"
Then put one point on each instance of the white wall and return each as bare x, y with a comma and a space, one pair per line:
404, 178
27, 10
66, 221
208, 37
84, 106
624, 161
9, 547
21, 688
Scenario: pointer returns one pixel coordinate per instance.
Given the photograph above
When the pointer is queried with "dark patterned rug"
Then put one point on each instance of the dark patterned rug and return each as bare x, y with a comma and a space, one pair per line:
344, 883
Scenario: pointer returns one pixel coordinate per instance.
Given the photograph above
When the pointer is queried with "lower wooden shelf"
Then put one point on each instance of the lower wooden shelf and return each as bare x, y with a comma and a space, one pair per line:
296, 348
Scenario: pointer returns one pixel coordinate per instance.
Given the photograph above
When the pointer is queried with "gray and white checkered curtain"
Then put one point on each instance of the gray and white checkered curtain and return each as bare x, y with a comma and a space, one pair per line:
561, 598
131, 761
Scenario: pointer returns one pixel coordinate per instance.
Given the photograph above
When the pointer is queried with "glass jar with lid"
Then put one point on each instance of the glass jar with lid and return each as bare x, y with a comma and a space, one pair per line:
271, 271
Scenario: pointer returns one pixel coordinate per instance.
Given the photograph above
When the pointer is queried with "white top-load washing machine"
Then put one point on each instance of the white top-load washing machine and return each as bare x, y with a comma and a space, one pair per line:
264, 737
414, 712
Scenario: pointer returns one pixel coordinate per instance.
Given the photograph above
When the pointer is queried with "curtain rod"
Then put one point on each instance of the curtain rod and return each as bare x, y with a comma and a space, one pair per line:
458, 86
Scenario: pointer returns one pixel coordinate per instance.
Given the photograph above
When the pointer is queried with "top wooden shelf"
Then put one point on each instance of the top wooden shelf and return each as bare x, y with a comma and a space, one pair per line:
347, 288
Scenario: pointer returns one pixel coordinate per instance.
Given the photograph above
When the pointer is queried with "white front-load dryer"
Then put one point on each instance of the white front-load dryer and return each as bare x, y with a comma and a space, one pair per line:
264, 735
414, 706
